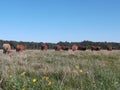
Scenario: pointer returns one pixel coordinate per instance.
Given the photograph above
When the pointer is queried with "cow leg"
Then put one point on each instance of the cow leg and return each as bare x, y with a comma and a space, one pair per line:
4, 51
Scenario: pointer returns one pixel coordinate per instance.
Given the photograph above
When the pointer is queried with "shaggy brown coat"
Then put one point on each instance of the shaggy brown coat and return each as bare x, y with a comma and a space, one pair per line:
20, 48
74, 47
6, 48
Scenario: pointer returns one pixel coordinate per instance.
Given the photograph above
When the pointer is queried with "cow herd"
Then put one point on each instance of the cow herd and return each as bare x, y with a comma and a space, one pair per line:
7, 48
19, 48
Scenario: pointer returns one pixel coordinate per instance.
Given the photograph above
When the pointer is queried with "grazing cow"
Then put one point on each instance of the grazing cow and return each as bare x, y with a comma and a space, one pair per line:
74, 47
66, 48
96, 48
109, 48
44, 47
82, 48
58, 48
20, 48
6, 48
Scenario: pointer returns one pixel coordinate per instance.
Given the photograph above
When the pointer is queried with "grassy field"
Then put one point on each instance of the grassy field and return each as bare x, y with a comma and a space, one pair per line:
65, 70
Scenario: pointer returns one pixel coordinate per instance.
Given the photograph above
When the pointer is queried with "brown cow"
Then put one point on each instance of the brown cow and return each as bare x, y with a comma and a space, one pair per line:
44, 47
82, 48
109, 48
66, 48
58, 48
96, 48
74, 47
6, 48
20, 48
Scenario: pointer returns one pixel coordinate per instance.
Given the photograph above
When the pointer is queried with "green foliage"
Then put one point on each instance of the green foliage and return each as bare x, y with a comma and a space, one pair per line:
36, 45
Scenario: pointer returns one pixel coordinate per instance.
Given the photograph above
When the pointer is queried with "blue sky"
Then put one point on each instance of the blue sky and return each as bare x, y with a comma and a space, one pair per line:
60, 20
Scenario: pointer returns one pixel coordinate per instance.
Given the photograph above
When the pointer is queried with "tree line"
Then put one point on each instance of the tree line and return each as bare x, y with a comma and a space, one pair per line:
37, 45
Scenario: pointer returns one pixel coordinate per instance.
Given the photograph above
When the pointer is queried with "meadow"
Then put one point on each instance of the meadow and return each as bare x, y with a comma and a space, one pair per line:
64, 70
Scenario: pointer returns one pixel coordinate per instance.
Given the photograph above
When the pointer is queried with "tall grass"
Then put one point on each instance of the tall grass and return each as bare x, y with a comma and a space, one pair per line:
53, 70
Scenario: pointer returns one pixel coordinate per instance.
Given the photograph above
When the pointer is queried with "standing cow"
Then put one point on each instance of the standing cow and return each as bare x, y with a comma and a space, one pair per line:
83, 48
58, 48
96, 48
109, 48
6, 48
44, 47
20, 48
74, 47
66, 48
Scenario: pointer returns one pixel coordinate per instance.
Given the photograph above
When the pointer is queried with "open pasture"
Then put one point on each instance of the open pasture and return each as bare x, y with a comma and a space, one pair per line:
60, 70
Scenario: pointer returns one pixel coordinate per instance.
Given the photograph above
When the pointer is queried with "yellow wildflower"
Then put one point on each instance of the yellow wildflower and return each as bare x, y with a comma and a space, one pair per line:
87, 72
81, 70
22, 74
8, 70
46, 78
77, 67
46, 68
50, 83
23, 88
11, 76
34, 80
